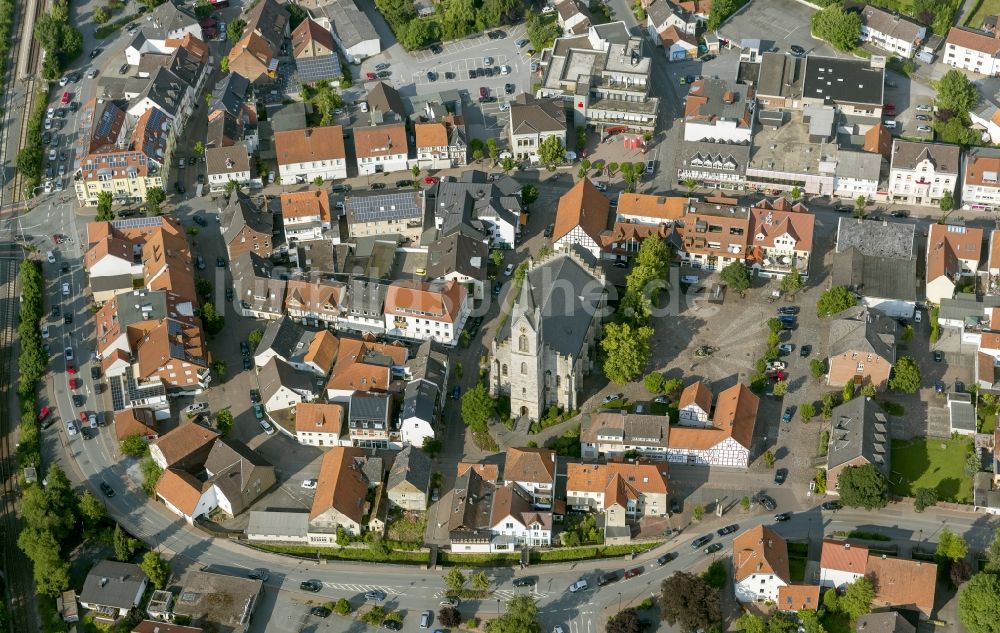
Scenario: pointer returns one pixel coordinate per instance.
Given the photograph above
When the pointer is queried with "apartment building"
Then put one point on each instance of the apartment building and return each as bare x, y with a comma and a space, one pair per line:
922, 173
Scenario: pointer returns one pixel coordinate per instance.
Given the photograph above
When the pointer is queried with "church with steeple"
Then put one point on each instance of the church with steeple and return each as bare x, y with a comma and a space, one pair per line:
547, 346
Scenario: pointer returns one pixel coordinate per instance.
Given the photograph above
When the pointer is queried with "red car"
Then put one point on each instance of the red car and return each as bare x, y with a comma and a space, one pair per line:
44, 413
83, 417
484, 91
777, 376
632, 573
65, 98
57, 238
74, 383
888, 106
70, 369
370, 76
431, 180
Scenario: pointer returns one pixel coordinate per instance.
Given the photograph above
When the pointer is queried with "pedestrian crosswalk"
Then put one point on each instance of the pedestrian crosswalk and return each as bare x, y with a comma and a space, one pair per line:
391, 591
502, 594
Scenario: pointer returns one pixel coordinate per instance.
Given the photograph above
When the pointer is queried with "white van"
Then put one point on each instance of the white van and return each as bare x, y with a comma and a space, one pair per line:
889, 123
51, 256
65, 289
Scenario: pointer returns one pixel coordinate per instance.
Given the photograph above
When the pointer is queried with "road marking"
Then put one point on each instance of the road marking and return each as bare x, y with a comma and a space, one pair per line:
363, 588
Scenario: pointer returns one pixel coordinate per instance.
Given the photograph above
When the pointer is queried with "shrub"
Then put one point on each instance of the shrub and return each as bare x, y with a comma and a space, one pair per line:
343, 607
698, 513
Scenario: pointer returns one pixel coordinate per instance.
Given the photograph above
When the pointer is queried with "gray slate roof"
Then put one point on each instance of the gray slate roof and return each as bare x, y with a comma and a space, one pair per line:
565, 315
419, 399
877, 277
229, 93
472, 500
286, 338
530, 115
780, 75
270, 20
891, 24
112, 584
369, 406
255, 286
884, 622
861, 330
962, 413
459, 253
459, 204
243, 212
386, 99
351, 25
412, 466
882, 239
276, 373
907, 154
714, 157
235, 470
967, 308
859, 429
273, 522
165, 89
430, 363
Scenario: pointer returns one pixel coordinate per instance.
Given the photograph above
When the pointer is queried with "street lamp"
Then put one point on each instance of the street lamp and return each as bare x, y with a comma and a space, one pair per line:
498, 607
619, 602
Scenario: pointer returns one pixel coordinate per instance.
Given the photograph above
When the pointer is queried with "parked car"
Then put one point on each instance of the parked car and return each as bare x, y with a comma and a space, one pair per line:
832, 505
666, 558
449, 602
196, 407
268, 429
701, 540
632, 573
311, 585
675, 505
784, 516
392, 625
797, 50
923, 107
524, 581
780, 475
785, 349
938, 356
107, 489
767, 502
376, 595
714, 547
258, 412
260, 574
320, 612
786, 417
729, 529
788, 310
508, 270
805, 350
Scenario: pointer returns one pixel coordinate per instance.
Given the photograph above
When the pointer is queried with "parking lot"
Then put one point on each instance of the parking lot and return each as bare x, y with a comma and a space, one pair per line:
777, 23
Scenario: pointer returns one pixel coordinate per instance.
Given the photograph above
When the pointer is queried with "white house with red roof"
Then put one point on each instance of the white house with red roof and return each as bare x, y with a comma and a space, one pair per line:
425, 311
781, 238
841, 563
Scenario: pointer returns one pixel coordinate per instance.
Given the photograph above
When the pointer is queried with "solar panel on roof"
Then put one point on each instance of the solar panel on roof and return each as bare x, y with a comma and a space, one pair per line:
318, 68
136, 223
386, 207
117, 397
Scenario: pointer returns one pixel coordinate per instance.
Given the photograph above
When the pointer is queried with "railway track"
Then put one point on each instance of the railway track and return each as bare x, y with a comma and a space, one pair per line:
17, 568
15, 66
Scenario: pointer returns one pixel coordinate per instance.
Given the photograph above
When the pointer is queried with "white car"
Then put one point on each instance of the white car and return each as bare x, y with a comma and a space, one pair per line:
504, 107
51, 256
71, 428
65, 289
92, 420
916, 316
487, 61
52, 155
579, 585
45, 331
364, 106
63, 81
196, 407
776, 365
68, 353
505, 70
48, 123
508, 270
309, 484
268, 429
924, 108
924, 128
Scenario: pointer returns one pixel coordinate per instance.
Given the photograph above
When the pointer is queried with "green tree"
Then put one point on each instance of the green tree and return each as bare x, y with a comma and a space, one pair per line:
750, 623
155, 196
457, 18
104, 212
542, 29
979, 603
834, 300
416, 33
689, 184
151, 472
480, 581
905, 375
224, 421
716, 574
203, 287
254, 338
698, 513
492, 149
101, 15
769, 459
626, 621
993, 554
199, 148
224, 64
477, 407
840, 28
654, 382
955, 130
792, 282
133, 446
689, 602
124, 544
521, 617
672, 385
213, 320
626, 351
947, 202
745, 502
158, 569
551, 152
204, 9
454, 579
507, 164
951, 546
924, 498
780, 389
817, 367
857, 599
234, 29
810, 621
230, 187
956, 93
342, 607
848, 392
529, 193
736, 277
91, 511
396, 12
859, 206
496, 258
863, 487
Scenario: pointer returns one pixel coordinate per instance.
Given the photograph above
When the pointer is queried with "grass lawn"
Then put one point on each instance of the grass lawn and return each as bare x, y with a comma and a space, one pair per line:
931, 463
987, 7
836, 622
407, 526
797, 568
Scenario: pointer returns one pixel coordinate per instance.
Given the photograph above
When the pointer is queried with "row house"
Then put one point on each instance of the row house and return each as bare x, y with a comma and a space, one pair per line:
258, 292
953, 253
365, 365
624, 492
662, 15
170, 24
859, 436
581, 218
613, 95
381, 148
385, 212
426, 311
533, 471
781, 234
862, 348
714, 233
246, 227
891, 32
370, 421
342, 493
639, 216
722, 436
711, 164
305, 215
423, 398
282, 386
981, 179
112, 160
973, 50
442, 144
315, 53
532, 121
490, 204
611, 434
255, 55
409, 479
315, 302
489, 517
923, 173
227, 164
306, 154
320, 424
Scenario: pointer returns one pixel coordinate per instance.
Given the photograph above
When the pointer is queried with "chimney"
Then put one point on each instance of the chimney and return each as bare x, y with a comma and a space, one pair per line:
847, 546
